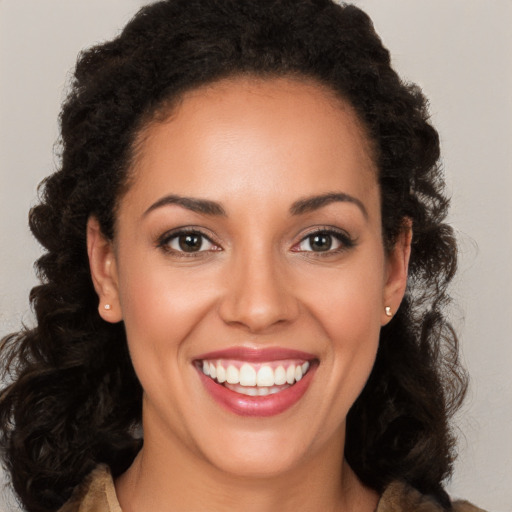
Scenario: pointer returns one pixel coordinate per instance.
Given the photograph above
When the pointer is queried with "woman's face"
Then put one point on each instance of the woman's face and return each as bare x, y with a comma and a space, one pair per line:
249, 251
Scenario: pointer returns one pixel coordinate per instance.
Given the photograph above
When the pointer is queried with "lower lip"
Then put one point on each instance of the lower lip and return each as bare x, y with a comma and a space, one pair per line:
260, 406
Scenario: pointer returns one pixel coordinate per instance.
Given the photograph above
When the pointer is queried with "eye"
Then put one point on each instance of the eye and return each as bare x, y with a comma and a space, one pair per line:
319, 242
187, 242
327, 241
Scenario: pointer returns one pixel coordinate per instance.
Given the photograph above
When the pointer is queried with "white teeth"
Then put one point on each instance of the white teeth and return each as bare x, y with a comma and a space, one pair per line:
251, 391
280, 376
247, 375
221, 373
265, 376
232, 375
290, 374
265, 380
255, 391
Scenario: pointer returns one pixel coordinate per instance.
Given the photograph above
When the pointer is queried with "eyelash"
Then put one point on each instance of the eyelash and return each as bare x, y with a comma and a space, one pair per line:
344, 240
164, 243
165, 240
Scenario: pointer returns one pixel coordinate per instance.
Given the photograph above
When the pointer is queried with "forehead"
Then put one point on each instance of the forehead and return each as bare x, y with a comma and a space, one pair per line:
255, 138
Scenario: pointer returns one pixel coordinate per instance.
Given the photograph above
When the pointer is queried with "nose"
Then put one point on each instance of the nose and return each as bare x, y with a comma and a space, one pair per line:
258, 294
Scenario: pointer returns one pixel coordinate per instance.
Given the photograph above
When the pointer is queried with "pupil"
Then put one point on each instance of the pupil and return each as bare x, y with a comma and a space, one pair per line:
190, 243
320, 242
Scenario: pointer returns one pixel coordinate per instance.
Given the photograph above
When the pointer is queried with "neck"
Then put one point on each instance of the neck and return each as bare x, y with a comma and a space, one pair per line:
149, 485
323, 481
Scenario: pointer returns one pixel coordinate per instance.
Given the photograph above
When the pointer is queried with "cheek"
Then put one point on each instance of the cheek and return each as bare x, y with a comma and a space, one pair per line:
348, 309
156, 295
352, 322
349, 302
161, 307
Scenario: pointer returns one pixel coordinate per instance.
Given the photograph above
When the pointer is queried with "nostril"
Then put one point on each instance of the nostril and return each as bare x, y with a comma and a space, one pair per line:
257, 291
258, 312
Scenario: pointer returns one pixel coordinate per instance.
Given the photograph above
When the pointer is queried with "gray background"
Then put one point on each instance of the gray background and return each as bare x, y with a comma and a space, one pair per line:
459, 51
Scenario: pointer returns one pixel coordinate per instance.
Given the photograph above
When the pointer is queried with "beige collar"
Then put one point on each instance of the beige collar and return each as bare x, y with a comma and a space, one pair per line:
97, 494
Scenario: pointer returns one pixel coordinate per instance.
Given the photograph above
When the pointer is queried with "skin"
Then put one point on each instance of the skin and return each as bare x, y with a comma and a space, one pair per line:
255, 147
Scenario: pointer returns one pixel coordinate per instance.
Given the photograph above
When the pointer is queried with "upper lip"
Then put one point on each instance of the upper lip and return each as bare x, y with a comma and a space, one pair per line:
257, 355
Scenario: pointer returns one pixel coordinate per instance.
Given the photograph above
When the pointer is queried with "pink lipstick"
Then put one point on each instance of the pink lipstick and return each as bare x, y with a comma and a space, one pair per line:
256, 382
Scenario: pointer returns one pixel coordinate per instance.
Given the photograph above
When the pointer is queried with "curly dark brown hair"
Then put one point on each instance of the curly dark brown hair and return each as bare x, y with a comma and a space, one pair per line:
73, 400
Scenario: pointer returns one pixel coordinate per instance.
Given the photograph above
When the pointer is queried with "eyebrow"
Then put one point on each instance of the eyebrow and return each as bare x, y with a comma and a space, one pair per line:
313, 203
203, 206
305, 205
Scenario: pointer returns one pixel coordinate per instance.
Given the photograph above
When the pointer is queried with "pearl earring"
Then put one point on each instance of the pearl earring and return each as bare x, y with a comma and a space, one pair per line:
107, 306
388, 311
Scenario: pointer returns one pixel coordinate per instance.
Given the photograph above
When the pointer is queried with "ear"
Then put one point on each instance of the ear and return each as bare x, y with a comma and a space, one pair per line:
397, 266
102, 264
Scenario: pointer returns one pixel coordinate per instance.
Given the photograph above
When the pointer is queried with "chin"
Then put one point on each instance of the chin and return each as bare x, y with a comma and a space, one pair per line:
254, 453
257, 462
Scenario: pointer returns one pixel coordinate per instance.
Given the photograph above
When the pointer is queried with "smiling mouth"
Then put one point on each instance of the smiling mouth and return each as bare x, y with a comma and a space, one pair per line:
255, 379
256, 382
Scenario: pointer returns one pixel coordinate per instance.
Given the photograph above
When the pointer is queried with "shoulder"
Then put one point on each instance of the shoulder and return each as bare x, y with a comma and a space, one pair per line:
95, 494
400, 497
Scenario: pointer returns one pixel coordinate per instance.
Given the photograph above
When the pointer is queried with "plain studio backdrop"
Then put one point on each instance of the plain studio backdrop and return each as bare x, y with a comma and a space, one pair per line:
458, 51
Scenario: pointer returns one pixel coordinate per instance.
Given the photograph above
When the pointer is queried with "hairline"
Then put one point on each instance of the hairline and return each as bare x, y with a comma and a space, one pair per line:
164, 111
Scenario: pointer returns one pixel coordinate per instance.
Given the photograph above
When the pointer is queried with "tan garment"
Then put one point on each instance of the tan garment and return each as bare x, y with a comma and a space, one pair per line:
400, 497
97, 494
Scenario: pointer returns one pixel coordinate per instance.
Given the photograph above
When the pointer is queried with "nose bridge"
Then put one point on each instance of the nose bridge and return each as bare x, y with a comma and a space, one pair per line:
257, 292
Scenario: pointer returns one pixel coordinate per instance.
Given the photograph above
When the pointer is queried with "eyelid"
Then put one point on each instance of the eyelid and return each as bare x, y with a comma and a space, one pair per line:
344, 238
163, 241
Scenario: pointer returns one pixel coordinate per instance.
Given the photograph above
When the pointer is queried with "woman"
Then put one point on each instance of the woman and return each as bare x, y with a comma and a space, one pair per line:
246, 191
